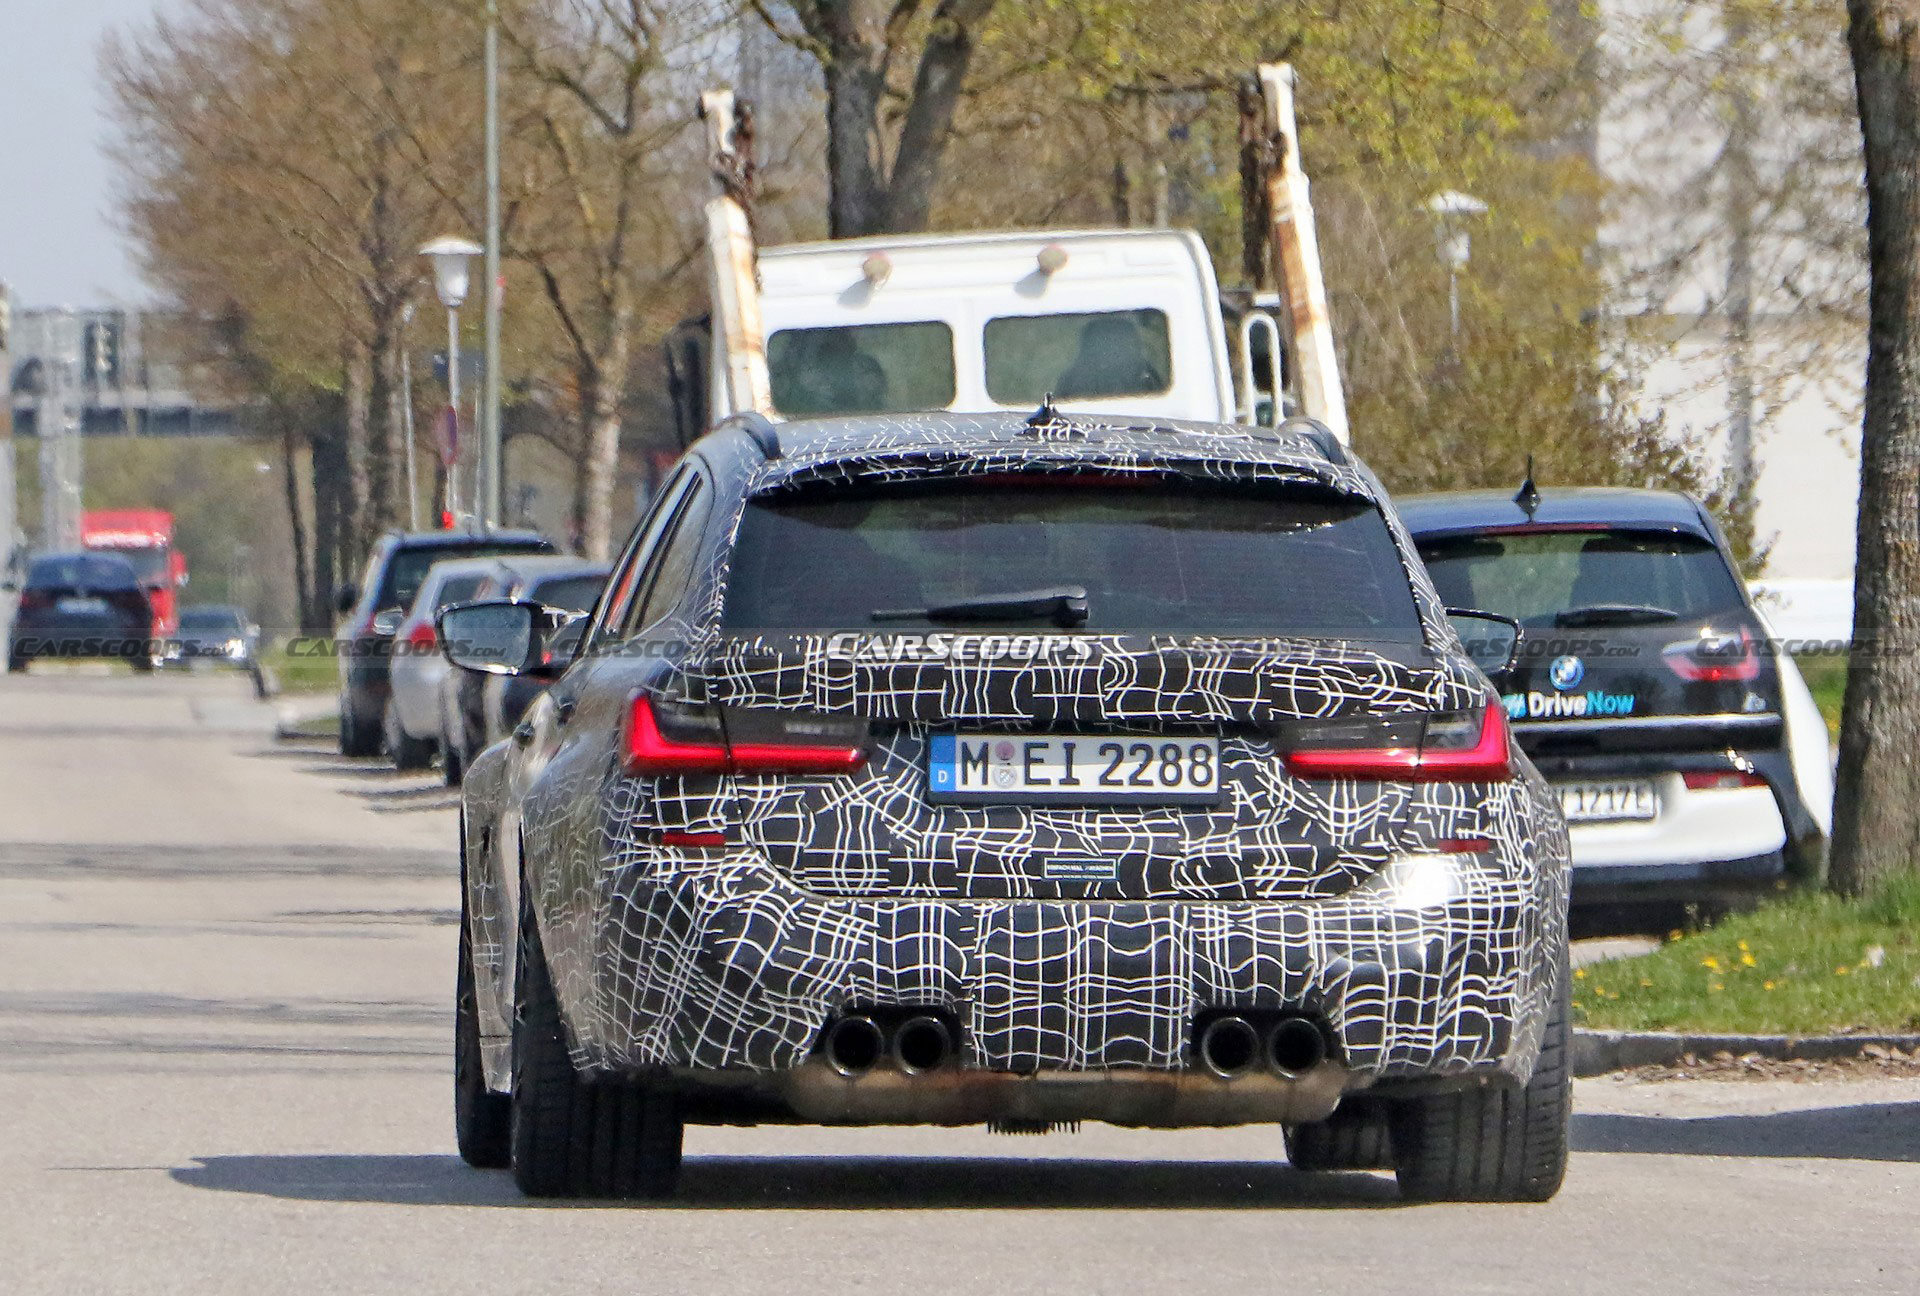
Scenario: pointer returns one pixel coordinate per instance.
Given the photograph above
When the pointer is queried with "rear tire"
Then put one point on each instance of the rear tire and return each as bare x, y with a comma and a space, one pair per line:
1355, 1137
482, 1119
356, 737
408, 753
142, 665
16, 664
573, 1137
453, 766
1492, 1144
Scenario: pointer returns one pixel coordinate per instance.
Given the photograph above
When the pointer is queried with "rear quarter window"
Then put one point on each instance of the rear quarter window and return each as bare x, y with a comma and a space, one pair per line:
1155, 557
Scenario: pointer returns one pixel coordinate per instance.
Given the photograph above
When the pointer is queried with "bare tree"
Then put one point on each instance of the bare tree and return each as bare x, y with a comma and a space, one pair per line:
1876, 820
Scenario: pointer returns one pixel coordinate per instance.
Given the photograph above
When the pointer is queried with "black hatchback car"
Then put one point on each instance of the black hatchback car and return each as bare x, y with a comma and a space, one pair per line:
376, 606
82, 604
1687, 754
979, 770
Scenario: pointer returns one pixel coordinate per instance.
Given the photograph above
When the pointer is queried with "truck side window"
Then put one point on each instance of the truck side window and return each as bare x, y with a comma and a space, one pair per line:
1084, 356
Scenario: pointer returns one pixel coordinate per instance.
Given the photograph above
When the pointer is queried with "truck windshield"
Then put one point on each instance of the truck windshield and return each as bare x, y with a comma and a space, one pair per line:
1156, 557
1077, 357
1538, 578
861, 369
149, 563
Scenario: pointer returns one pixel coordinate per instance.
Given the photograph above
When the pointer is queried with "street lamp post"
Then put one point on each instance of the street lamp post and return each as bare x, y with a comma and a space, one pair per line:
1450, 210
449, 256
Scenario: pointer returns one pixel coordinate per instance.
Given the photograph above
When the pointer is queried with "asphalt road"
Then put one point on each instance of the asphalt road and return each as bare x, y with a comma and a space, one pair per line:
223, 1068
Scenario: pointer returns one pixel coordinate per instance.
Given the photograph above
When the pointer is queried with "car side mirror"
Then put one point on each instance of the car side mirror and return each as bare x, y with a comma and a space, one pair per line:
493, 636
1492, 640
345, 595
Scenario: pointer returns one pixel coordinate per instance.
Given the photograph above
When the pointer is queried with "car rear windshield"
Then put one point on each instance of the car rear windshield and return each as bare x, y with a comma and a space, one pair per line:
861, 369
1078, 357
74, 571
217, 618
1154, 556
1537, 577
407, 569
574, 593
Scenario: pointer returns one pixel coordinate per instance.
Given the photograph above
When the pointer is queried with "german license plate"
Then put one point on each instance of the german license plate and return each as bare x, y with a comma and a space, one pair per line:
82, 606
1605, 802
1067, 769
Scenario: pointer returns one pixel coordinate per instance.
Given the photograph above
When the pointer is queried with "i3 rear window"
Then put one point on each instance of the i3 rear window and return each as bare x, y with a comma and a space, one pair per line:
1546, 578
1084, 356
861, 369
1155, 556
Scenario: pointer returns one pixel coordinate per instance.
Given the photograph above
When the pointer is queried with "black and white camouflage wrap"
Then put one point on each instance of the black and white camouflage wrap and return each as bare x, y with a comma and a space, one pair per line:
854, 891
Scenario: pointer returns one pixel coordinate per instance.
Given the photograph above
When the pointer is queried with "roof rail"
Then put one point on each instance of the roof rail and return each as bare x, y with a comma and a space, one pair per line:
759, 429
1320, 434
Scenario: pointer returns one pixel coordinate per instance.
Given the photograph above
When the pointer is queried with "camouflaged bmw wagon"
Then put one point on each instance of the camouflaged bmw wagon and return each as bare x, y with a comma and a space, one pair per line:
1012, 771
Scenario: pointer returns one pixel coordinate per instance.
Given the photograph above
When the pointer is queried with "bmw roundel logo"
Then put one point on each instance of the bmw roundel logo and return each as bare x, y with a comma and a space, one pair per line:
1566, 672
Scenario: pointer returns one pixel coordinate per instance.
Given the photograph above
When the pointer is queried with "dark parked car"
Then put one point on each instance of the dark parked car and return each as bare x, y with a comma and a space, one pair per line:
82, 605
375, 607
1688, 757
972, 769
477, 710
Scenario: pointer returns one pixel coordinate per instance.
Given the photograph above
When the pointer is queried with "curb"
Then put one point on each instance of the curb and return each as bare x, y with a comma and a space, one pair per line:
1598, 1052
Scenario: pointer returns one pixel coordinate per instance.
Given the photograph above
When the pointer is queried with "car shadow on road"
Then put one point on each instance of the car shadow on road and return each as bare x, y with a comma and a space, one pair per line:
1866, 1132
823, 1183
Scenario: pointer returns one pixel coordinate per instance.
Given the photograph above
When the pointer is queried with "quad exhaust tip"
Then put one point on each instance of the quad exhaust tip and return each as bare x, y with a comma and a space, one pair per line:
854, 1044
1231, 1046
922, 1044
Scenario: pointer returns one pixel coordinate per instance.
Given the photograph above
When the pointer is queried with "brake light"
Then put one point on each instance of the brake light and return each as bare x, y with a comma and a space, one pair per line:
693, 742
1718, 780
1713, 659
33, 600
693, 840
1451, 747
422, 638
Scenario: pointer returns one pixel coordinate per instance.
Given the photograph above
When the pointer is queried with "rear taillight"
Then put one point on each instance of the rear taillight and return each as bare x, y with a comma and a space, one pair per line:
1720, 780
1450, 747
422, 638
663, 738
1714, 659
35, 600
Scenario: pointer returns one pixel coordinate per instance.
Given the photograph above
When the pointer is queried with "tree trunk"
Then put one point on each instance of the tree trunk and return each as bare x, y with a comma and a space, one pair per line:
937, 84
856, 86
386, 477
307, 600
608, 394
357, 524
1876, 829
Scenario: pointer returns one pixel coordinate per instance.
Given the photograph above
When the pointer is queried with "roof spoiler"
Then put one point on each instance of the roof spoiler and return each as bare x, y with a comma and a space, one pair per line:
759, 429
1322, 437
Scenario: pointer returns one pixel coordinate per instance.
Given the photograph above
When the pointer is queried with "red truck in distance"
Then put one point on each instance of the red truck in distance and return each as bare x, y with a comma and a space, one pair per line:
144, 537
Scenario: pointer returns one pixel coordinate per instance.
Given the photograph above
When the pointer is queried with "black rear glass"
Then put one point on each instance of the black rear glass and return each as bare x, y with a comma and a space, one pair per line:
1154, 557
408, 567
210, 618
73, 571
1537, 576
574, 593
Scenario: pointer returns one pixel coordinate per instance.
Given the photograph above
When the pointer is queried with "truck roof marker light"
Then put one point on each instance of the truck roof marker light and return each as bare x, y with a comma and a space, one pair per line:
1053, 259
876, 268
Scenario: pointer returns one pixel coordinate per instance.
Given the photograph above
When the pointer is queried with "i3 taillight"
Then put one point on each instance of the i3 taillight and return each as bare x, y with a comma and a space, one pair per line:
1714, 659
34, 600
1443, 747
664, 738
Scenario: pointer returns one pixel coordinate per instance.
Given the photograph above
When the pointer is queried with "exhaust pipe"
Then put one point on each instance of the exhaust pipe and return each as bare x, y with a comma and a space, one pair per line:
922, 1044
853, 1045
1296, 1046
1229, 1046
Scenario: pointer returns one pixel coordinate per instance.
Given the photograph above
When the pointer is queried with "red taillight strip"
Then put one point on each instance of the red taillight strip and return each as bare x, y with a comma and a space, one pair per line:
1486, 761
693, 840
649, 751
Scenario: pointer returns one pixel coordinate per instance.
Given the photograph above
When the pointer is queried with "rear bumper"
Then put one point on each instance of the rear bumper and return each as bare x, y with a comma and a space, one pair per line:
712, 964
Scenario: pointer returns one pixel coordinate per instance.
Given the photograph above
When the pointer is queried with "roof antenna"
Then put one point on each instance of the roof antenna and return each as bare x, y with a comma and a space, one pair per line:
1046, 416
1528, 497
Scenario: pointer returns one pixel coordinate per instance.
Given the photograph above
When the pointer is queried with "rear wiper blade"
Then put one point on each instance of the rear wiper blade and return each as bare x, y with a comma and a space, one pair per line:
1602, 614
1064, 605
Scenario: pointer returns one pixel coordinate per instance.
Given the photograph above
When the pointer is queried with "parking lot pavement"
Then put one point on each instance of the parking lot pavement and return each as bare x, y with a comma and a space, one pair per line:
223, 1067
